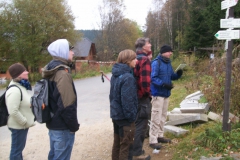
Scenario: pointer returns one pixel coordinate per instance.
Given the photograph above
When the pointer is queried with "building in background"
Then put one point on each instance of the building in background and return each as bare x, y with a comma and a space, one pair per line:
85, 50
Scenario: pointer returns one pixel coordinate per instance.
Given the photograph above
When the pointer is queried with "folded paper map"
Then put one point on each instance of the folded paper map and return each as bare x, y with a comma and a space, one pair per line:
181, 66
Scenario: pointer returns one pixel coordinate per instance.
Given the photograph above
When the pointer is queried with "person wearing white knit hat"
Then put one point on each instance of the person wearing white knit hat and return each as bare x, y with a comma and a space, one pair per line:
62, 100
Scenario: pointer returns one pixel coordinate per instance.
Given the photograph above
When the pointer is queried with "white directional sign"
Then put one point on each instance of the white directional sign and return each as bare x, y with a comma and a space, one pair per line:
230, 23
228, 34
228, 3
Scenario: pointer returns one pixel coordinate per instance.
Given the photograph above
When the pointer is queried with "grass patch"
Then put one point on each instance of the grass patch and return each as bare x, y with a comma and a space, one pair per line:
85, 71
91, 71
203, 139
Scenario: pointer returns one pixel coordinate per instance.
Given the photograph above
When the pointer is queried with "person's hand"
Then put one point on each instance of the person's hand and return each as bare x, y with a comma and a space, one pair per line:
168, 86
180, 72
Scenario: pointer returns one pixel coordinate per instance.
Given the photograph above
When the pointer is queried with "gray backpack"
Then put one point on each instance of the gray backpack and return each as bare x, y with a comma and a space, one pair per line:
39, 102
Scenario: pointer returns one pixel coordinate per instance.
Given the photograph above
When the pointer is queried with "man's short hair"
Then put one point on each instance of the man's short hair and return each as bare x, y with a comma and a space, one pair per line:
140, 42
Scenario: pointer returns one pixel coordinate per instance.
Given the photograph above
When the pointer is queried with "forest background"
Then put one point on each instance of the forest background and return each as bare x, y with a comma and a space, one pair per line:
28, 27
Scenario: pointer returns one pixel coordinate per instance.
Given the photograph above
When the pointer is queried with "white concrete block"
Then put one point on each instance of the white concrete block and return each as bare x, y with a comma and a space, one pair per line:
188, 101
195, 95
175, 110
194, 118
173, 117
174, 130
188, 105
215, 117
232, 117
195, 108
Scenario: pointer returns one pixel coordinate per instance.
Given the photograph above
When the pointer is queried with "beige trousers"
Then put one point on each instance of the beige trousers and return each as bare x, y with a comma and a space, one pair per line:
158, 118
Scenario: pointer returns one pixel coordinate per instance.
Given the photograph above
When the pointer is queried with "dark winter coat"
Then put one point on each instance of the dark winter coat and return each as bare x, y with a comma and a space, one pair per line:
162, 72
123, 93
62, 96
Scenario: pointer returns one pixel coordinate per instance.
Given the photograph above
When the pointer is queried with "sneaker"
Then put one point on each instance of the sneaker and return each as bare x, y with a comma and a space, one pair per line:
142, 157
155, 146
164, 140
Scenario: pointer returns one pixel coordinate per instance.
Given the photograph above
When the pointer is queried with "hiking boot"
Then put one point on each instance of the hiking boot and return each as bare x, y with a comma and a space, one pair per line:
155, 146
142, 157
164, 140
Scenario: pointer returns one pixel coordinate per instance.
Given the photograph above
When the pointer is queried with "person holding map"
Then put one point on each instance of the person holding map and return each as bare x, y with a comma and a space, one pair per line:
161, 84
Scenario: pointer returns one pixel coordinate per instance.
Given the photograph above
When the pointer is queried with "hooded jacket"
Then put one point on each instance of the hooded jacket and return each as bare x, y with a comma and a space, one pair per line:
162, 72
123, 93
62, 93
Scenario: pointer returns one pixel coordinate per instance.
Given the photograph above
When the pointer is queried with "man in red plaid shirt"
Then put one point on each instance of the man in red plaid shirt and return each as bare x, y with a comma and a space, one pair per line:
142, 73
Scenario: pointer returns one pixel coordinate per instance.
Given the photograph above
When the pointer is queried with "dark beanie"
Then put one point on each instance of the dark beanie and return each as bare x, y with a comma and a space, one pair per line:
165, 48
16, 69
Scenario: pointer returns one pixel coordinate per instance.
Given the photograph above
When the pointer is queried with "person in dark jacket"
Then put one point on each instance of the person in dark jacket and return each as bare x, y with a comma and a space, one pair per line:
142, 73
123, 104
62, 100
161, 84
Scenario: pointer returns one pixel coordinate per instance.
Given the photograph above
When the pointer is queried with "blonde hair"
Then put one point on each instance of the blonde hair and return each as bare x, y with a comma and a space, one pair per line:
126, 56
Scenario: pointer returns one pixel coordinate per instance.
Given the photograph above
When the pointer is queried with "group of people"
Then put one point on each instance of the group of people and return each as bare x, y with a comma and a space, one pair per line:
64, 123
140, 91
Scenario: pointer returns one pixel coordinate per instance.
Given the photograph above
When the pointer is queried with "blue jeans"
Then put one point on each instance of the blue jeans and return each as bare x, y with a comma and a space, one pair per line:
19, 137
61, 144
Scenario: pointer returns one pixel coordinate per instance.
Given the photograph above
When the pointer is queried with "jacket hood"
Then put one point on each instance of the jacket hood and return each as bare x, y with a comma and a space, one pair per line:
120, 68
59, 48
53, 66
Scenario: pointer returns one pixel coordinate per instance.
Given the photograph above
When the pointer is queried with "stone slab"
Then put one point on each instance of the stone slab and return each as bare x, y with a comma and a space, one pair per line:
232, 117
187, 101
174, 130
211, 158
235, 156
193, 110
173, 117
175, 110
215, 117
187, 105
196, 95
200, 108
195, 118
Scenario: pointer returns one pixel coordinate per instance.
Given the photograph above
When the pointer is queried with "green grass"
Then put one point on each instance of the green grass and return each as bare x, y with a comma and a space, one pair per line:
91, 71
203, 139
86, 71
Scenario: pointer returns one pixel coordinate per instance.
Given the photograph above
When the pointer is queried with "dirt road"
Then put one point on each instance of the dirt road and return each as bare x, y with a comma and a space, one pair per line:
94, 139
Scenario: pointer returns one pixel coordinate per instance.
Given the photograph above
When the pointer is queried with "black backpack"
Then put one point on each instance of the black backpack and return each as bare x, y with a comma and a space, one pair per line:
39, 102
3, 108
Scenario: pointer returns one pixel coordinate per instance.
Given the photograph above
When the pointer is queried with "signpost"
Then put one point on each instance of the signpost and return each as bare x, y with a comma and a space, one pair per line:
228, 3
228, 35
230, 23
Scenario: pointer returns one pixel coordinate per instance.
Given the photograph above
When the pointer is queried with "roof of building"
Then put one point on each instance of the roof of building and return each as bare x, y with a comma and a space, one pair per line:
82, 48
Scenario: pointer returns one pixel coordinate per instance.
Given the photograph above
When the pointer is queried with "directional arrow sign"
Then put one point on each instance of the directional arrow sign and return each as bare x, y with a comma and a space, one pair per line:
228, 3
230, 23
228, 34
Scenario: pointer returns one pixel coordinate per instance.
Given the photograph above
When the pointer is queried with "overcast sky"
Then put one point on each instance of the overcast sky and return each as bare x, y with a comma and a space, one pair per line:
87, 15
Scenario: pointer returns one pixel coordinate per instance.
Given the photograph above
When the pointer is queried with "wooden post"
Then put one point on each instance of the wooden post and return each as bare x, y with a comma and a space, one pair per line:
227, 91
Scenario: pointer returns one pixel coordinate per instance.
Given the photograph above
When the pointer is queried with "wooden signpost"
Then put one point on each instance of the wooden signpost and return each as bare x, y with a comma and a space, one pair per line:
228, 35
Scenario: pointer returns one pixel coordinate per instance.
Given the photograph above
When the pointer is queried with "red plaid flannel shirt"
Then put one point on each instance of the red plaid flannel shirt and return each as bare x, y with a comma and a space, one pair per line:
142, 72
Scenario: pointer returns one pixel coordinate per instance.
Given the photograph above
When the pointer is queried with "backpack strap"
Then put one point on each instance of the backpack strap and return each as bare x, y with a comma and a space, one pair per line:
15, 86
158, 60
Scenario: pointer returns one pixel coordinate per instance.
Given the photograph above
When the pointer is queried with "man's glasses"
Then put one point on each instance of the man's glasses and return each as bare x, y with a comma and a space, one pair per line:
71, 47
